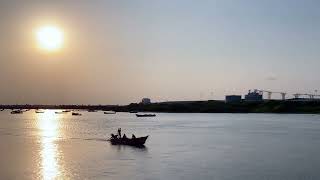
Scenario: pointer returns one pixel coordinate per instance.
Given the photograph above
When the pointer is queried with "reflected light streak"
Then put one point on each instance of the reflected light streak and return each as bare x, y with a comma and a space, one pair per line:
48, 124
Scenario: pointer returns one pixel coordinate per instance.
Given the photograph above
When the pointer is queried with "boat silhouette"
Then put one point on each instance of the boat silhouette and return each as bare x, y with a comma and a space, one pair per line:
145, 115
16, 112
76, 114
139, 141
123, 140
109, 112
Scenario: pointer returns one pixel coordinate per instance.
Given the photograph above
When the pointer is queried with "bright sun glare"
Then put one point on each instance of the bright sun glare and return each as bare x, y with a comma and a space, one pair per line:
49, 38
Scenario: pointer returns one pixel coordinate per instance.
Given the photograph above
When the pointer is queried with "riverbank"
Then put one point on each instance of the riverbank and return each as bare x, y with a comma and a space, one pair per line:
272, 106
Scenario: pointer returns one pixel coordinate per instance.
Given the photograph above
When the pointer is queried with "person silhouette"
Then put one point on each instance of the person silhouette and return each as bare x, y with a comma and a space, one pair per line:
119, 132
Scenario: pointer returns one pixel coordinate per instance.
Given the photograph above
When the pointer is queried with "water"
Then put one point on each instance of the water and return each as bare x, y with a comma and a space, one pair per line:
181, 146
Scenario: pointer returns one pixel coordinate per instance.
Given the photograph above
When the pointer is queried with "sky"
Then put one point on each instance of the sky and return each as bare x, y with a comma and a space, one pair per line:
117, 52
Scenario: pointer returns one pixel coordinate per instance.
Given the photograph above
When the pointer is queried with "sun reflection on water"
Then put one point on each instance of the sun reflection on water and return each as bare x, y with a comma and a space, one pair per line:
48, 124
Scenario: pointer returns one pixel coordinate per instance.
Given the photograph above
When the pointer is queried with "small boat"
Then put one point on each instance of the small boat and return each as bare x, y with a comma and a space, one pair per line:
59, 112
139, 141
76, 114
37, 111
109, 112
1, 109
91, 110
123, 140
65, 111
16, 112
133, 111
145, 115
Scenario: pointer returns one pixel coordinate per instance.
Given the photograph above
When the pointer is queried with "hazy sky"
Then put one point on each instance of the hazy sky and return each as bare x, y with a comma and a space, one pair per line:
117, 52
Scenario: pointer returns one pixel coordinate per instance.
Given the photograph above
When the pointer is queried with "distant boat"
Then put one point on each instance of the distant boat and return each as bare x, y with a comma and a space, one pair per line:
59, 112
16, 112
91, 110
145, 115
109, 112
38, 111
65, 111
1, 109
76, 114
133, 111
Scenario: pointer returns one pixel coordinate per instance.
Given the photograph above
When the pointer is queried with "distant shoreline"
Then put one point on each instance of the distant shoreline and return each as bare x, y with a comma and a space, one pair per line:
211, 106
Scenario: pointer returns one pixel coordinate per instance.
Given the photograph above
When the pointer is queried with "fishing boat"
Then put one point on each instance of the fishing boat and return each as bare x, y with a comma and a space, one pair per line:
16, 112
139, 141
76, 114
145, 115
109, 112
123, 140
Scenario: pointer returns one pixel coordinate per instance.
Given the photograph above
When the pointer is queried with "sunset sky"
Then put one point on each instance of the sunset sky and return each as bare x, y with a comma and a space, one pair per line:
117, 52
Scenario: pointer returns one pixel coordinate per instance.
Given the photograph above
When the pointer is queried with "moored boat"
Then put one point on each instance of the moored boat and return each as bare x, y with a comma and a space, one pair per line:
16, 112
59, 112
38, 111
76, 114
145, 115
109, 112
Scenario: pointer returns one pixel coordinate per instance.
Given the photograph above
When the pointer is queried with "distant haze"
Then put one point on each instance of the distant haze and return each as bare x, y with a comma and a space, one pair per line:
117, 52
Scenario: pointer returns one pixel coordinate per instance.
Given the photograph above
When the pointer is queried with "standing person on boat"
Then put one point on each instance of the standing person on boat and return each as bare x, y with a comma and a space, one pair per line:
119, 132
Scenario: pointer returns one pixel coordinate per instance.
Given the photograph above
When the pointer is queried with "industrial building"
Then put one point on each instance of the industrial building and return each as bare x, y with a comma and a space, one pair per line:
233, 98
254, 95
145, 101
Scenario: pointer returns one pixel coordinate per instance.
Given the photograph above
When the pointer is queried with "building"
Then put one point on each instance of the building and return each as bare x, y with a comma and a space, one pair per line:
254, 96
233, 98
145, 101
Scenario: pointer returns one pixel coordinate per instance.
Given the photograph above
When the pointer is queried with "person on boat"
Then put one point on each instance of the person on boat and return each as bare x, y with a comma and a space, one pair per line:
133, 136
124, 136
119, 132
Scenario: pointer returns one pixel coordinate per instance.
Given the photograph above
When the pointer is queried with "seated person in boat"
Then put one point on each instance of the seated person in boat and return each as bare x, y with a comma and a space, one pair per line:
124, 136
114, 136
133, 136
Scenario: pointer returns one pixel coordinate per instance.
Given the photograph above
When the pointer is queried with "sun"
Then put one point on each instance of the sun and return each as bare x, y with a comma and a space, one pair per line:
49, 38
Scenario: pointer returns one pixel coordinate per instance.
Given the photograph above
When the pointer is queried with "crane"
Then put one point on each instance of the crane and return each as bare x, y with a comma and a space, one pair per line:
283, 94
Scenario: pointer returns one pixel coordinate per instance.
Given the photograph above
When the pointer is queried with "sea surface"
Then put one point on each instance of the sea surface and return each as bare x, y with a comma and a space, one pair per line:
180, 146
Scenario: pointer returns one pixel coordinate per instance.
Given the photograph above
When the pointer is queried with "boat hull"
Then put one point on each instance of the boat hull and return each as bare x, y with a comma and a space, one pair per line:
145, 115
16, 112
131, 142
